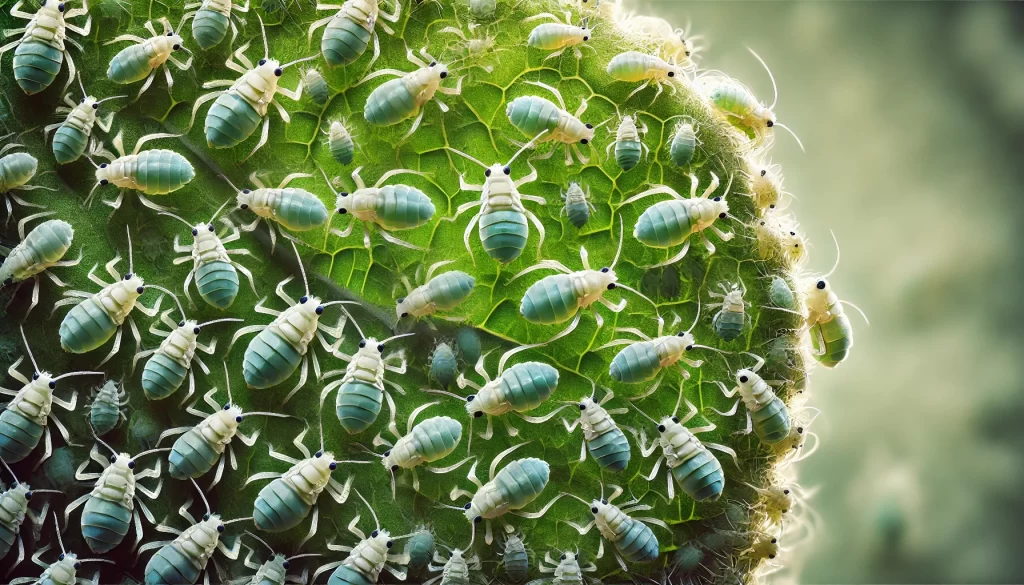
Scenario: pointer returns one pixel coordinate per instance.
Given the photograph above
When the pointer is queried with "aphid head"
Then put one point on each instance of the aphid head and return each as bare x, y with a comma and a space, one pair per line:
499, 178
189, 329
685, 339
793, 246
43, 380
598, 507
719, 208
212, 525
587, 405
231, 415
133, 284
438, 71
669, 424
310, 307
244, 198
380, 540
818, 292
403, 307
20, 492
606, 278
568, 558
586, 32
472, 512
745, 378
67, 563
173, 41
474, 406
122, 462
103, 174
324, 462
270, 70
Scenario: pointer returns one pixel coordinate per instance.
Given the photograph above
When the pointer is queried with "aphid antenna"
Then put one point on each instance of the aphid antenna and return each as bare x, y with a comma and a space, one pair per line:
9, 470
399, 336
575, 497
445, 393
222, 320
81, 86
173, 297
232, 521
28, 349
219, 209
150, 452
775, 89
60, 541
261, 541
464, 155
303, 556
263, 31
793, 134
530, 144
642, 413
341, 305
618, 253
71, 374
113, 97
297, 61
302, 269
181, 25
228, 181
376, 522
696, 317
202, 496
179, 218
102, 442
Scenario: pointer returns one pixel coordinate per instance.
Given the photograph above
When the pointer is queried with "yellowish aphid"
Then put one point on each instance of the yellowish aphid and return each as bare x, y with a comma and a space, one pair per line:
558, 36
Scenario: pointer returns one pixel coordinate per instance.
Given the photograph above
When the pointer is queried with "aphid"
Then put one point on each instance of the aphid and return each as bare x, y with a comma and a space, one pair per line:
534, 116
566, 570
483, 9
276, 352
475, 48
286, 501
775, 240
110, 506
557, 298
361, 386
737, 104
420, 550
238, 111
601, 435
180, 561
633, 66
316, 85
273, 571
212, 266
765, 183
827, 325
24, 420
40, 51
107, 409
211, 21
780, 293
443, 365
676, 44
467, 341
296, 209
43, 248
688, 558
367, 558
432, 440
201, 447
152, 172
633, 539
628, 143
443, 292
670, 223
340, 143
689, 461
558, 36
767, 414
509, 491
72, 135
577, 205
16, 170
515, 559
349, 30
399, 99
764, 547
730, 321
684, 144
62, 572
778, 500
143, 59
503, 227
461, 568
388, 208
14, 509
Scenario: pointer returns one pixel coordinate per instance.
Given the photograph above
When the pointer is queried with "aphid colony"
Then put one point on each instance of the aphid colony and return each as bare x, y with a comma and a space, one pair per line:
375, 368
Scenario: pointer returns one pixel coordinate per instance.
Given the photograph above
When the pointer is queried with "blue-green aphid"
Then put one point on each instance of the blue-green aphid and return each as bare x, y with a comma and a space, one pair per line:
366, 559
730, 321
826, 321
443, 292
14, 509
40, 51
107, 409
601, 435
16, 170
340, 142
515, 559
349, 30
780, 293
59, 469
24, 420
558, 36
211, 19
535, 116
566, 570
577, 205
156, 171
467, 341
145, 57
633, 539
688, 558
63, 571
767, 414
43, 248
462, 567
431, 440
684, 144
444, 367
420, 550
316, 85
287, 207
274, 570
72, 135
628, 144
399, 99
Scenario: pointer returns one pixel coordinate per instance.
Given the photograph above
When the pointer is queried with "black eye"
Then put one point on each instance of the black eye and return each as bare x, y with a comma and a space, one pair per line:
583, 406
763, 172
374, 534
507, 171
387, 453
303, 299
477, 519
131, 465
394, 468
477, 414
721, 215
785, 492
342, 210
792, 233
605, 269
195, 232
689, 347
470, 397
35, 376
770, 123
279, 72
170, 33
800, 430
227, 406
206, 517
584, 141
263, 61
343, 194
83, 101
220, 528
128, 276
140, 290
487, 173
333, 465
209, 227
113, 458
605, 502
563, 556
53, 384
238, 418
176, 47
78, 565
246, 191
60, 7
362, 343
592, 511
103, 165
318, 454
443, 74
284, 565
661, 428
717, 199
28, 495
467, 505
195, 330
244, 206
586, 38
433, 63
590, 127
380, 347
671, 73
61, 557
390, 544
405, 314
104, 182
611, 286
95, 106
743, 379
775, 540
319, 310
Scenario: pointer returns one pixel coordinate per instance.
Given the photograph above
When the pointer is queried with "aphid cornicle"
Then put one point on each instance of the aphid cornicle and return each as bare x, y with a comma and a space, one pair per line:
443, 292
388, 207
145, 57
64, 571
419, 548
533, 116
24, 420
107, 409
238, 111
577, 205
14, 509
444, 366
212, 267
40, 51
349, 30
515, 559
767, 414
296, 209
566, 570
72, 135
316, 85
340, 142
670, 223
633, 66
689, 461
16, 170
731, 319
558, 36
628, 143
503, 227
601, 435
110, 505
825, 321
43, 248
367, 558
151, 172
633, 539
433, 439
211, 19
397, 100
95, 318
462, 567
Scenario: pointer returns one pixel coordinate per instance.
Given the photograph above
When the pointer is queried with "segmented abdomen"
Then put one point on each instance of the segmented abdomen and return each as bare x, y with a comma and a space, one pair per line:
401, 207
637, 543
43, 246
342, 147
527, 385
16, 169
637, 362
627, 153
631, 66
443, 365
521, 481
729, 324
162, 376
551, 35
104, 524
344, 40
578, 213
838, 337
159, 171
771, 422
420, 548
503, 234
279, 507
435, 438
192, 456
345, 575
230, 121
104, 417
131, 64
449, 289
86, 326
532, 115
550, 300
701, 476
610, 449
269, 360
664, 224
172, 566
358, 405
732, 98
299, 210
217, 282
69, 142
684, 143
36, 65
517, 563
390, 103
18, 436
209, 28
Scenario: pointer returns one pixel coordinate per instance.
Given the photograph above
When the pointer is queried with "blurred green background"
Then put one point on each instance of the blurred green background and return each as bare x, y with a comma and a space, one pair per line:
913, 115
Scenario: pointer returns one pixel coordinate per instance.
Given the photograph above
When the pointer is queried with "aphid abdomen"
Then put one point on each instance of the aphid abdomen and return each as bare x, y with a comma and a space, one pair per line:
131, 64
217, 282
279, 507
516, 560
401, 207
104, 523
358, 405
664, 224
468, 342
683, 145
159, 171
339, 142
503, 234
209, 27
13, 505
527, 385
443, 365
269, 359
449, 289
162, 376
345, 39
552, 299
192, 455
69, 142
731, 98
771, 422
533, 114
299, 210
36, 64
420, 548
86, 326
578, 213
729, 324
521, 481
637, 544
637, 362
230, 121
317, 86
781, 294
19, 435
610, 449
701, 476
436, 438
105, 412
172, 566
627, 153
390, 103
630, 66
345, 575
837, 334
43, 246
16, 169
551, 35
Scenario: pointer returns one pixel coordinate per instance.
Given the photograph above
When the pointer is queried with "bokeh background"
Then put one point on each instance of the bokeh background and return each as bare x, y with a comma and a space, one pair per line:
912, 115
